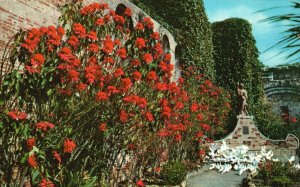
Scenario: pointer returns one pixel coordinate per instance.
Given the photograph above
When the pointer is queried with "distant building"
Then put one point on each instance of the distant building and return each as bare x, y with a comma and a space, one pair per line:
282, 89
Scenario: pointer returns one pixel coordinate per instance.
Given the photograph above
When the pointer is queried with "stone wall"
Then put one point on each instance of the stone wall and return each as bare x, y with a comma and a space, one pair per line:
25, 14
246, 133
282, 88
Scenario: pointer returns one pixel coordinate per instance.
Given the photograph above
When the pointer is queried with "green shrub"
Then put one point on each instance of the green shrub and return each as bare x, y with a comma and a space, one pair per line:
173, 172
281, 181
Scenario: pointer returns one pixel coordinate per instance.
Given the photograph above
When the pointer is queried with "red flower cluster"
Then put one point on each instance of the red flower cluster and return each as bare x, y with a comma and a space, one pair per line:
92, 8
17, 115
44, 126
69, 146
102, 127
30, 142
46, 183
57, 156
32, 161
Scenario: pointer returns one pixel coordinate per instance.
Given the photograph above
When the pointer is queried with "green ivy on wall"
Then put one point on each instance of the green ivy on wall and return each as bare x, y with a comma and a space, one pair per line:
236, 58
187, 21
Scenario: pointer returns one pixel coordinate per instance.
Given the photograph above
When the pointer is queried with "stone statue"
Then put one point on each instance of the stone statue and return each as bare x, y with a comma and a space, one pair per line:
242, 100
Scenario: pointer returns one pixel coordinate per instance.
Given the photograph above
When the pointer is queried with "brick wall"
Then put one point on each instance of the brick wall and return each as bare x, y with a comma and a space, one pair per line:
25, 14
246, 133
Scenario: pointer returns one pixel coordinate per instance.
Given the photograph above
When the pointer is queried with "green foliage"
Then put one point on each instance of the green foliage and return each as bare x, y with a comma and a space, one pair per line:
281, 181
290, 41
278, 173
187, 21
173, 172
236, 58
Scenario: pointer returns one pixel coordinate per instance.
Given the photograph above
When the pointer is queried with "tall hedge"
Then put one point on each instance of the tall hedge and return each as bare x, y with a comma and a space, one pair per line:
187, 21
236, 58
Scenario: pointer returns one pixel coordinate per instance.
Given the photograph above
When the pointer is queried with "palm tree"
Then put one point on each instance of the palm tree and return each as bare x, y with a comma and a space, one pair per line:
291, 39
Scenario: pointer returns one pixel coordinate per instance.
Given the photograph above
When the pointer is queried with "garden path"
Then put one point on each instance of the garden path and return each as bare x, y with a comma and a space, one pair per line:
211, 178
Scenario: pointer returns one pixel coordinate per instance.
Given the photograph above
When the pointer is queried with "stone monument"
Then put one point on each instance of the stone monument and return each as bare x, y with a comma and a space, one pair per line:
246, 133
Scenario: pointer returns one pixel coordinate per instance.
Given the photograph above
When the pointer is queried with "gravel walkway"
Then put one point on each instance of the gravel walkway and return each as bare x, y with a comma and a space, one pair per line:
211, 178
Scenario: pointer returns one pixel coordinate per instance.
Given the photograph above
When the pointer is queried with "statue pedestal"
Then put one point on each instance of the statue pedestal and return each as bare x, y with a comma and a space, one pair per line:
246, 133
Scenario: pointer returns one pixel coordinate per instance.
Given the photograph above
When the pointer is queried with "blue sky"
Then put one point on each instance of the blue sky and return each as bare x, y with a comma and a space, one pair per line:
265, 33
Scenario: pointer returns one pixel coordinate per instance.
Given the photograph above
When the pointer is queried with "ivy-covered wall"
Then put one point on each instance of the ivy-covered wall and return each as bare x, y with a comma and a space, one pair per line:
236, 58
187, 21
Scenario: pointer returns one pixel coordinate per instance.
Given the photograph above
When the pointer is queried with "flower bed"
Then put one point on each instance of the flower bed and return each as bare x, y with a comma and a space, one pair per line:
91, 102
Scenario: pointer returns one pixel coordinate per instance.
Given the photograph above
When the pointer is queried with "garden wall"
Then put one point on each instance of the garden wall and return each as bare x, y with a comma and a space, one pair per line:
25, 14
246, 133
282, 89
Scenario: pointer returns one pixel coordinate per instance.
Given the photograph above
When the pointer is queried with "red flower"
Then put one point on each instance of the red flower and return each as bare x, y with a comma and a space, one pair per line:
179, 105
37, 60
140, 183
205, 126
17, 115
73, 41
163, 133
109, 60
127, 12
155, 36
57, 156
101, 96
30, 142
108, 45
69, 146
163, 66
139, 26
46, 183
293, 120
136, 75
157, 169
148, 23
32, 161
166, 111
123, 116
44, 126
112, 90
93, 48
125, 84
149, 117
92, 35
73, 75
81, 86
60, 31
118, 72
147, 57
177, 137
201, 152
100, 21
194, 107
119, 19
199, 117
151, 76
199, 134
122, 53
140, 43
161, 86
142, 102
131, 147
79, 30
135, 62
102, 127
167, 57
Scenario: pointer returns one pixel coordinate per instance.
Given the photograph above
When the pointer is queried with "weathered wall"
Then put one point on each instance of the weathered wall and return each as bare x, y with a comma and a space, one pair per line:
25, 14
246, 133
282, 88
